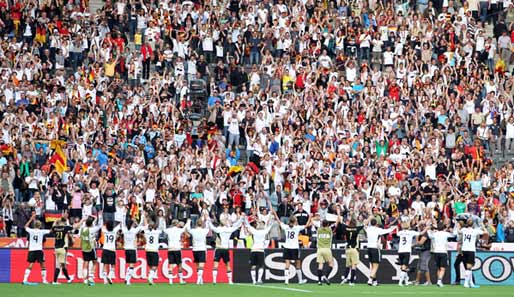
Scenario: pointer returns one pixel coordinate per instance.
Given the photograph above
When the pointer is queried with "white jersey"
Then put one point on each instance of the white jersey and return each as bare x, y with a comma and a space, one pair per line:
469, 238
152, 240
224, 233
175, 237
36, 238
259, 237
199, 238
440, 241
129, 237
373, 233
406, 237
110, 238
291, 236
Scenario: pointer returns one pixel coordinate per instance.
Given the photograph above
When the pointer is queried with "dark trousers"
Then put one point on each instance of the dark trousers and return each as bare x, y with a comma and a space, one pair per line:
146, 69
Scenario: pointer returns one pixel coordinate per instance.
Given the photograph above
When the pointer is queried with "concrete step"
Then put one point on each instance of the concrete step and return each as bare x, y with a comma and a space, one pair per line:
95, 5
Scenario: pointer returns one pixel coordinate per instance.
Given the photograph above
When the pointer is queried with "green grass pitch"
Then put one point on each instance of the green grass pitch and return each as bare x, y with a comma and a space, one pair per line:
246, 290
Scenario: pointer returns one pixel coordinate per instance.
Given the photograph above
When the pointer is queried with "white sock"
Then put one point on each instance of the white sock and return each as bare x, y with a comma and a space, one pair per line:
43, 275
299, 274
471, 283
260, 272
170, 277
181, 275
253, 274
150, 274
104, 275
26, 275
200, 274
229, 276
286, 275
84, 273
467, 274
111, 271
214, 275
128, 275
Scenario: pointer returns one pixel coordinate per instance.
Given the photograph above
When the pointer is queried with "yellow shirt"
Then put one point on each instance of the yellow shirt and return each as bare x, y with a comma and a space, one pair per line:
109, 69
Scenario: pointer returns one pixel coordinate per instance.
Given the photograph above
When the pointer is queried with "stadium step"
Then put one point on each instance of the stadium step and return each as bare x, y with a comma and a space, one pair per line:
95, 5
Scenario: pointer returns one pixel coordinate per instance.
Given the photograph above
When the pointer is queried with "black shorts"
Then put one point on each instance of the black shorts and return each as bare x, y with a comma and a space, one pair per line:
130, 256
257, 259
152, 259
441, 260
468, 257
174, 257
89, 256
374, 255
222, 254
291, 254
108, 257
36, 256
199, 256
404, 259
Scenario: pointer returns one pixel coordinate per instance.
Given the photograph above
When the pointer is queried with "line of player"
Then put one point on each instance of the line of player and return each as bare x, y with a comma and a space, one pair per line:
89, 228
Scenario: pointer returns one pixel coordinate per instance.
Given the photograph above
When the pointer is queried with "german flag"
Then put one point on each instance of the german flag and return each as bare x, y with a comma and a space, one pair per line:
52, 215
58, 158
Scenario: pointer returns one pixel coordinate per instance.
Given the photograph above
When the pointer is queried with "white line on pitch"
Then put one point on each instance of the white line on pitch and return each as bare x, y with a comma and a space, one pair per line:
277, 288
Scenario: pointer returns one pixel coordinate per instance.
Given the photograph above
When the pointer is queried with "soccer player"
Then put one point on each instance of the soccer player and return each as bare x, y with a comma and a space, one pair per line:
469, 238
292, 247
373, 232
199, 235
35, 248
257, 252
221, 253
152, 249
60, 231
130, 245
88, 234
352, 254
404, 251
174, 233
324, 250
439, 241
109, 251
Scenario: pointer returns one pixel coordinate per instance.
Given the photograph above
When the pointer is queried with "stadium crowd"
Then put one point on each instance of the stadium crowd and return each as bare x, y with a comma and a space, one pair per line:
371, 108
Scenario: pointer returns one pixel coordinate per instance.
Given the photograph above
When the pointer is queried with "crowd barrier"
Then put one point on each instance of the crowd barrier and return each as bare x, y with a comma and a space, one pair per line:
492, 268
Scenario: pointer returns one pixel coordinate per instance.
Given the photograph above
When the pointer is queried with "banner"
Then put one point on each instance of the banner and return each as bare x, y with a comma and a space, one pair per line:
9, 242
388, 272
5, 266
16, 264
491, 268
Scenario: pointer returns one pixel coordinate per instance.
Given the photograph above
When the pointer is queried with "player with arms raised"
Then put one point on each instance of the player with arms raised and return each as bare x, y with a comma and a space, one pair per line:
222, 248
324, 250
199, 235
469, 237
406, 236
257, 253
175, 232
352, 253
292, 247
60, 230
130, 245
439, 241
152, 249
88, 234
373, 232
36, 235
109, 251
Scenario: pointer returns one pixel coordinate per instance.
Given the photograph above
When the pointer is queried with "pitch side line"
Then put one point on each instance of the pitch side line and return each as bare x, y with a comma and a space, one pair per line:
277, 288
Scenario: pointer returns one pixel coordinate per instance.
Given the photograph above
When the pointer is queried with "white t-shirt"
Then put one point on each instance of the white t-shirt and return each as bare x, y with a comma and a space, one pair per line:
110, 238
129, 237
469, 238
291, 236
406, 237
225, 232
175, 237
199, 238
152, 240
259, 238
36, 238
374, 234
440, 241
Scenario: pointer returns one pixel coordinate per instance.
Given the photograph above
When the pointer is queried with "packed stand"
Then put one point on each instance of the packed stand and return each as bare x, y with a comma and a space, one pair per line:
374, 109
